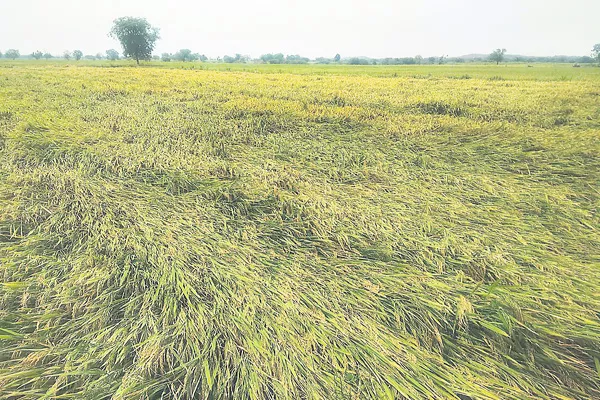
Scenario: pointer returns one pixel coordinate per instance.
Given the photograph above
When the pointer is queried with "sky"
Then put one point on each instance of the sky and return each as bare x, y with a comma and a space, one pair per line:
311, 28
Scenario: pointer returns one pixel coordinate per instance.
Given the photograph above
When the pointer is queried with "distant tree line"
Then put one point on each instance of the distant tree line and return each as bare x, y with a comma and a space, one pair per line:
187, 55
279, 58
238, 58
77, 55
138, 39
496, 58
183, 55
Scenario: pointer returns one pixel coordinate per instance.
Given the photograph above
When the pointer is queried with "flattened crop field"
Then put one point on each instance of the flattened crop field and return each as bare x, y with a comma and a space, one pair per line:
279, 232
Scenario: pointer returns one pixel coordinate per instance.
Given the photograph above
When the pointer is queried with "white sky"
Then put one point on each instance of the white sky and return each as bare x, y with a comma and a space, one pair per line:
312, 28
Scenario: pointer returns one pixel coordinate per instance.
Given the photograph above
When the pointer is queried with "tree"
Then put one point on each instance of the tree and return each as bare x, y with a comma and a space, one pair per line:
337, 58
203, 58
419, 59
185, 55
37, 54
166, 57
99, 56
498, 55
137, 37
358, 61
112, 55
12, 54
47, 56
596, 52
296, 59
67, 55
77, 54
273, 58
237, 59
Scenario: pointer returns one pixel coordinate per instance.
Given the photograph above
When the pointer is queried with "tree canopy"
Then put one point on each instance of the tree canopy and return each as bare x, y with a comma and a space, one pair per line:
186, 55
112, 55
238, 58
296, 59
273, 58
498, 55
12, 54
596, 52
279, 58
137, 37
77, 54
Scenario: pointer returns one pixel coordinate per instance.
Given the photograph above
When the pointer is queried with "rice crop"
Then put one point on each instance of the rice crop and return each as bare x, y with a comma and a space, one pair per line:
287, 233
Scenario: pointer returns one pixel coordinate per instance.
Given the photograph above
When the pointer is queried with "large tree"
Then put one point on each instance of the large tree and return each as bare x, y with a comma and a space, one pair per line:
47, 56
596, 52
37, 54
77, 54
498, 55
13, 54
137, 37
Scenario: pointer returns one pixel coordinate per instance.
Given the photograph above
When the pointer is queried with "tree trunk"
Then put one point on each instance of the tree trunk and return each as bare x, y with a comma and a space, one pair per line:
137, 60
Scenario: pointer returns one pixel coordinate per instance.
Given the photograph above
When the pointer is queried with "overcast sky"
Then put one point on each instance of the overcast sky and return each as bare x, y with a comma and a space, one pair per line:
313, 28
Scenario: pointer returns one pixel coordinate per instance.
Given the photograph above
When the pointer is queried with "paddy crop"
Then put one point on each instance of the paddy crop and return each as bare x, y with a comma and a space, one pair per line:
170, 233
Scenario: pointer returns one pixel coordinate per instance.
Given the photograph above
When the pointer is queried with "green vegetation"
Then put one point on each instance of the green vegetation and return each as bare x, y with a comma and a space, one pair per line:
112, 55
184, 230
12, 54
185, 55
497, 56
77, 54
596, 52
137, 37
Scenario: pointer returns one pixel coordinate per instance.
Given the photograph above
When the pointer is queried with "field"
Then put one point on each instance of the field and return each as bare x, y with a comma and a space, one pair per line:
183, 231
